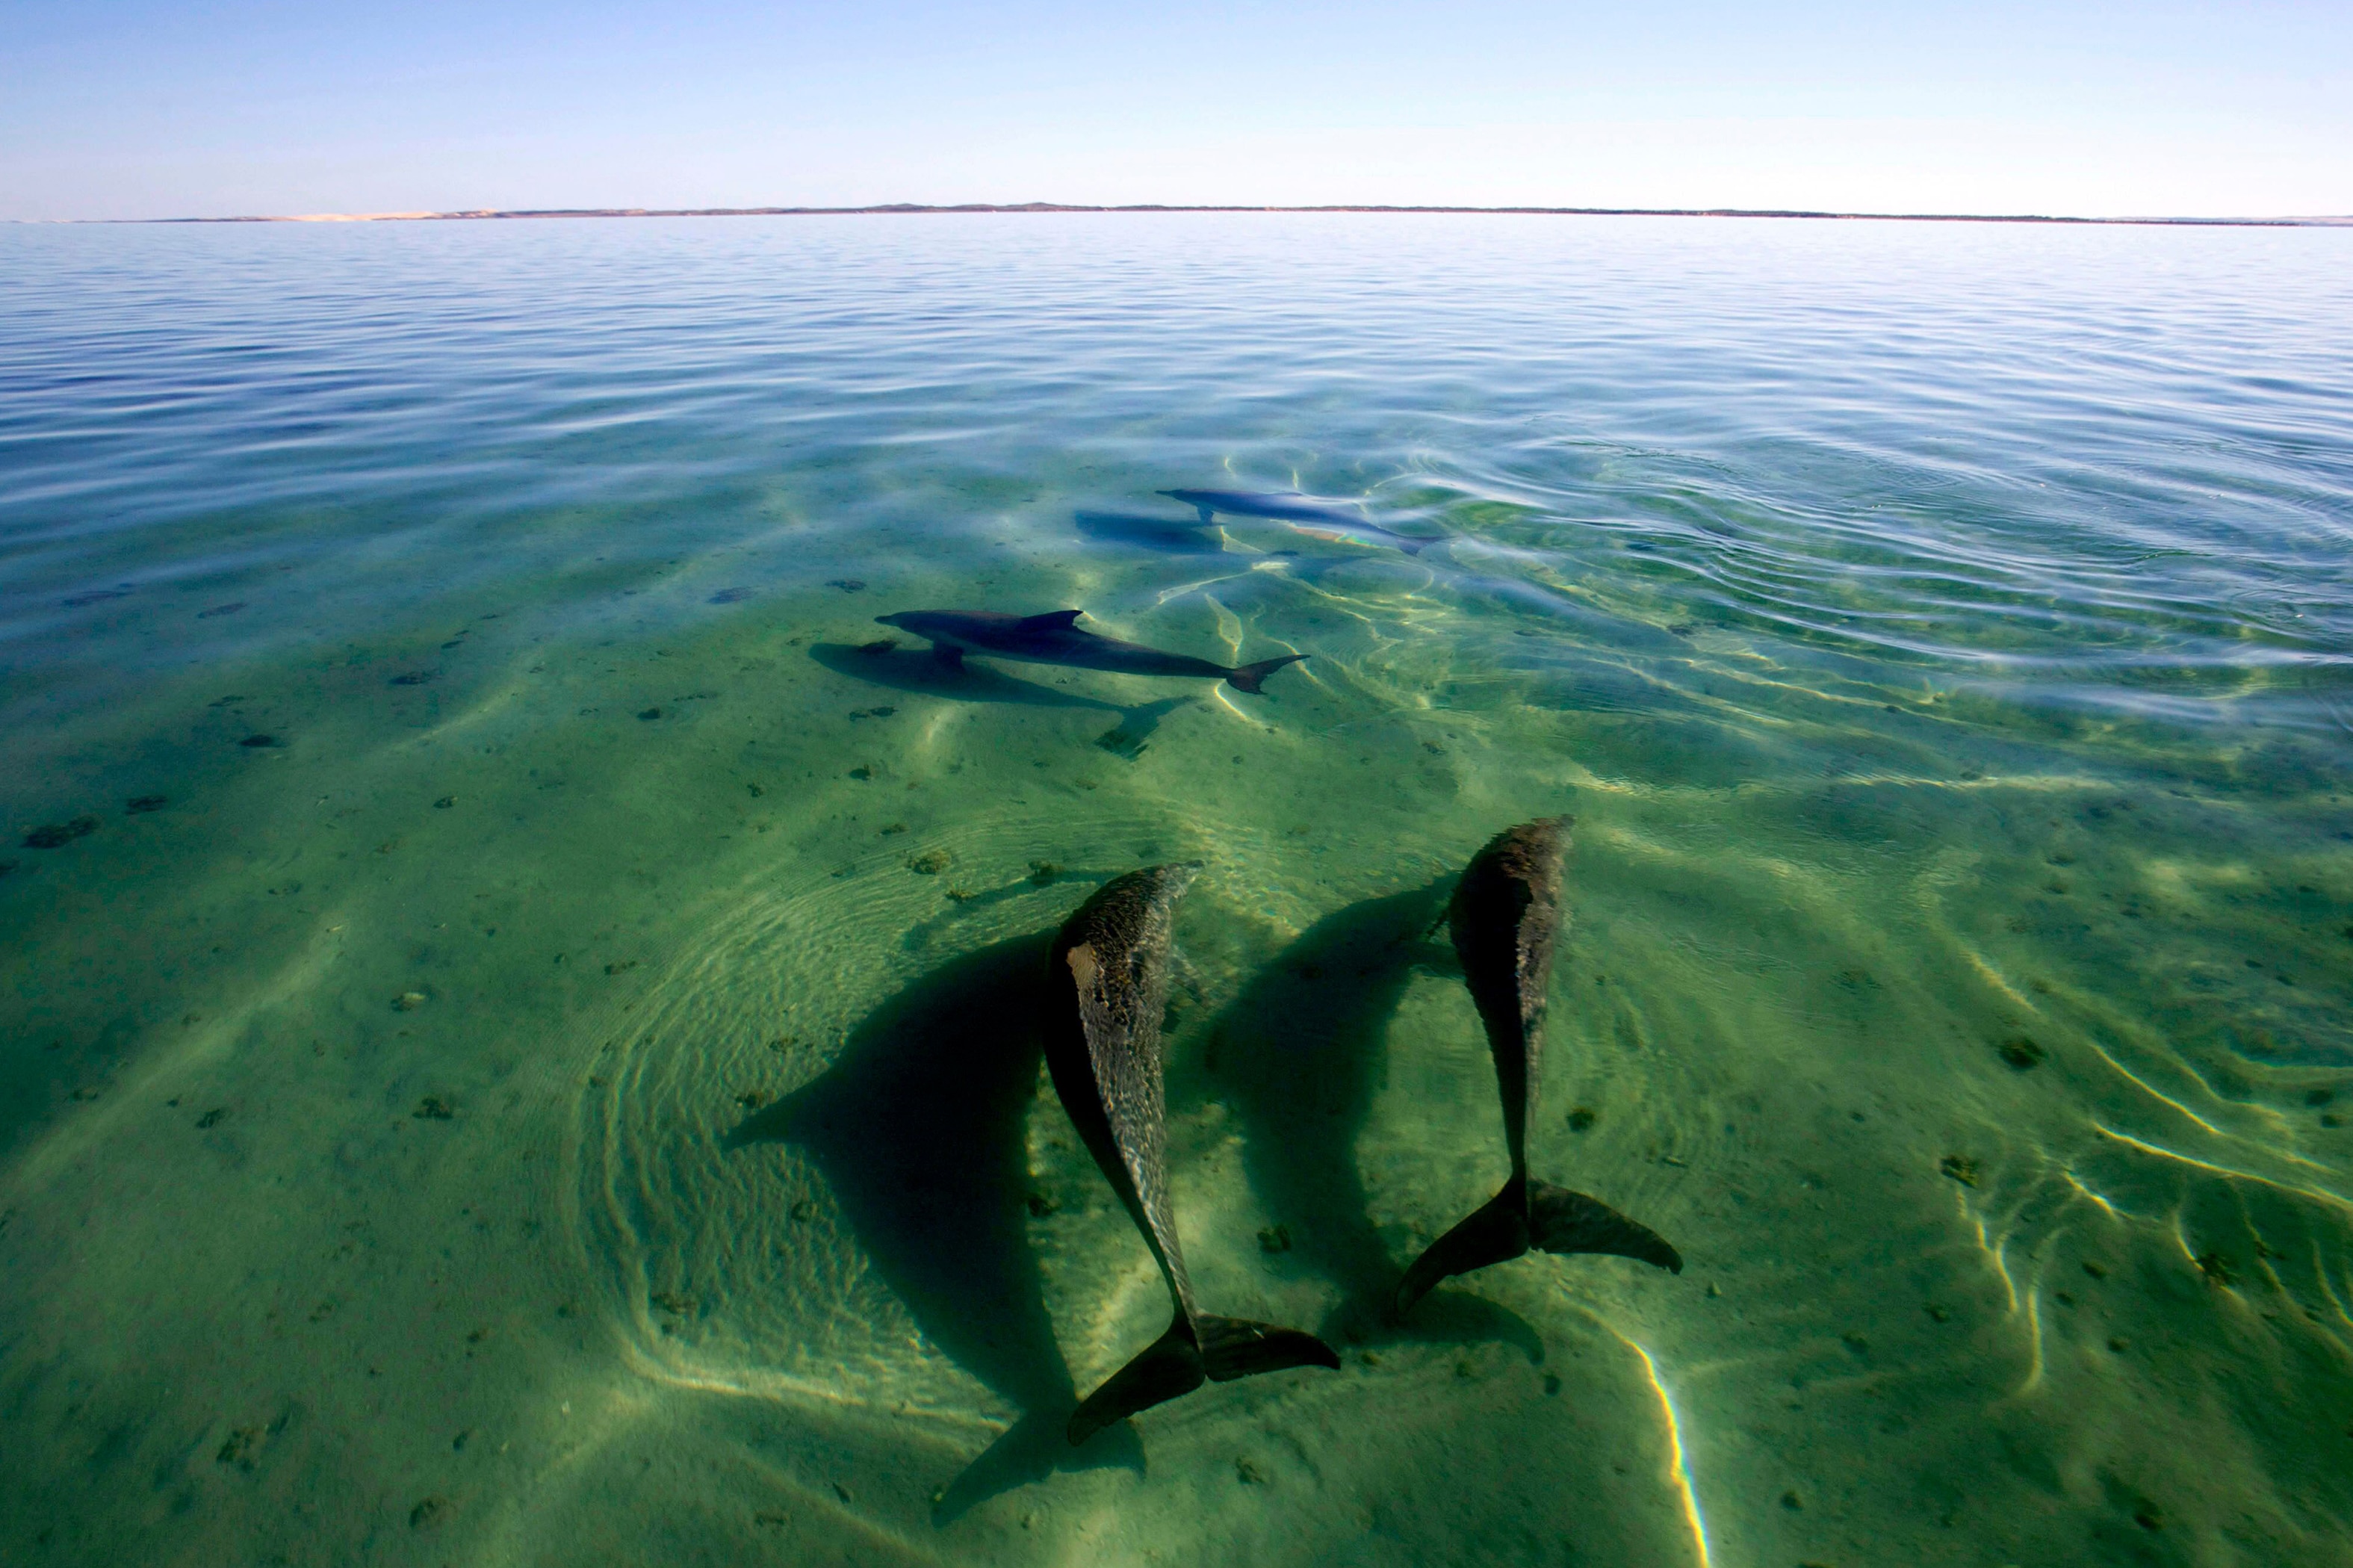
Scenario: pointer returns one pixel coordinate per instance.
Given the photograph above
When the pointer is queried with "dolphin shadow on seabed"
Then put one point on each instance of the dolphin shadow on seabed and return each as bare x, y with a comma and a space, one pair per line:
1160, 535
916, 671
1298, 1057
918, 1128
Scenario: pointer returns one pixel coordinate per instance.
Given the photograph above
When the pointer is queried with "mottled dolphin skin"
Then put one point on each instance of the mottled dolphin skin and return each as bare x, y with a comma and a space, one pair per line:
1108, 979
1504, 916
1313, 516
1052, 638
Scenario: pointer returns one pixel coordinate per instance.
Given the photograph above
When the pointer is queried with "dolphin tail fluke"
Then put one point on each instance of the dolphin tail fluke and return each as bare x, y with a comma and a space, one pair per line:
1250, 677
1236, 1347
1563, 1221
1170, 1366
1496, 1232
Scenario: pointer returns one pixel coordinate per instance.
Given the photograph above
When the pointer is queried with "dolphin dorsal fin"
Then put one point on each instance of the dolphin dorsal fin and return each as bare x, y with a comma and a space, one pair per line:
1051, 621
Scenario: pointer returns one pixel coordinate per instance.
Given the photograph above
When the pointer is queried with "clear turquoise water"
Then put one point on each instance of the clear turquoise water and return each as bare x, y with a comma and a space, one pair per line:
564, 1100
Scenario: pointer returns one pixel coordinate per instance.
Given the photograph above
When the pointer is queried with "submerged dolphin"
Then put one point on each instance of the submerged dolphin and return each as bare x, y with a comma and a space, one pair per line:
1504, 916
1052, 638
1109, 979
1313, 516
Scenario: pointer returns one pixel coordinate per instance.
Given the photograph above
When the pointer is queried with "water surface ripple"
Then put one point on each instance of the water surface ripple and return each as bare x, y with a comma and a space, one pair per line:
515, 1034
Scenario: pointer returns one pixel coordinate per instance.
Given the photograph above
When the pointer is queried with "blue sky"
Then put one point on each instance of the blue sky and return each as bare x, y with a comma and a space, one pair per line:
135, 109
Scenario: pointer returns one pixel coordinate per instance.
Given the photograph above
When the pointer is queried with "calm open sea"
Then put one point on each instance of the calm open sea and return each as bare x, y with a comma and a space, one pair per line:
514, 1000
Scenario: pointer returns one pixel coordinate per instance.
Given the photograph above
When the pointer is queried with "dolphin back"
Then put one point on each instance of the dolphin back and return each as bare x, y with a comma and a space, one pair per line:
1111, 960
1246, 503
1104, 1053
1506, 916
1505, 919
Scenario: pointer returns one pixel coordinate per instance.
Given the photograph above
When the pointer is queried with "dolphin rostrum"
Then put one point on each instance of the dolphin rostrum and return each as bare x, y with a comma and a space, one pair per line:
1310, 515
1504, 916
1052, 638
1108, 976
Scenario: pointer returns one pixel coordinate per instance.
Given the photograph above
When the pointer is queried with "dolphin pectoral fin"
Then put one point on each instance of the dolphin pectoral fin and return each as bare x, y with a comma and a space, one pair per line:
948, 654
1496, 1232
1170, 1366
1561, 1221
1236, 1347
1250, 677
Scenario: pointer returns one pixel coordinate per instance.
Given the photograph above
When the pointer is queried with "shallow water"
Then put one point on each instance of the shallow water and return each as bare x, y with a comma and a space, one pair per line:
540, 1077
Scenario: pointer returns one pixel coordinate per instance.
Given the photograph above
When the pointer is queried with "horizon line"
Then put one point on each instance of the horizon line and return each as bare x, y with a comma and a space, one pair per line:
921, 209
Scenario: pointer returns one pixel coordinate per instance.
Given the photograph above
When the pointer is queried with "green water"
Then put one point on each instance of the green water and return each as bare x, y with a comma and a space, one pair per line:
568, 1098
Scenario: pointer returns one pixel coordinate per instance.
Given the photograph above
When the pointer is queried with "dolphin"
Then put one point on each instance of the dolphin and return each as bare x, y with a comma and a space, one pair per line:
1504, 915
1052, 638
1108, 979
1312, 516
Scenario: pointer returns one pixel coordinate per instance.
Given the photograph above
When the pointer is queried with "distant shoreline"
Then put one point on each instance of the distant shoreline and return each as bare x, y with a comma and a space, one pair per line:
905, 209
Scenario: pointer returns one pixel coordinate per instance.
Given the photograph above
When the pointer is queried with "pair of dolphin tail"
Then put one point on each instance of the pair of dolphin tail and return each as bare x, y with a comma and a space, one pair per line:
1251, 678
1534, 1215
1178, 1363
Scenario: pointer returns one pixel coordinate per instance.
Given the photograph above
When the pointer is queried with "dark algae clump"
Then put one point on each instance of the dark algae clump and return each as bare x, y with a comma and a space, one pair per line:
57, 835
2021, 1053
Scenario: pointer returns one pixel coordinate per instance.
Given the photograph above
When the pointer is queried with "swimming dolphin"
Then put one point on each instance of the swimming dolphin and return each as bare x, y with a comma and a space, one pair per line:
1313, 516
1108, 975
1052, 638
1504, 915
